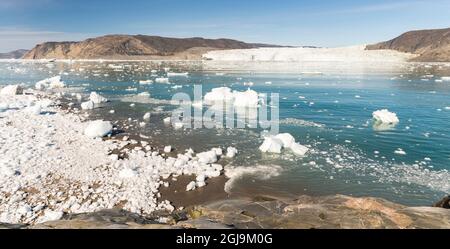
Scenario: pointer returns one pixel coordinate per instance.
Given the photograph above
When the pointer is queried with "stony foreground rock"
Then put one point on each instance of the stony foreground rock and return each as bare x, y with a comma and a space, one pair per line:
302, 213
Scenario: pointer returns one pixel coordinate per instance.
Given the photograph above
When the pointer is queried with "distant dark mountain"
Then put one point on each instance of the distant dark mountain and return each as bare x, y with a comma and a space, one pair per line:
17, 54
429, 45
135, 47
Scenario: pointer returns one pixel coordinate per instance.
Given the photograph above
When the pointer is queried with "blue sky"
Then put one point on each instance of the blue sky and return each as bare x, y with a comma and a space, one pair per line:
330, 23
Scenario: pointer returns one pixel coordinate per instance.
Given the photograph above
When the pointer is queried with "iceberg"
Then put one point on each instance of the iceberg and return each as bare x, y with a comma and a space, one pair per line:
385, 116
271, 145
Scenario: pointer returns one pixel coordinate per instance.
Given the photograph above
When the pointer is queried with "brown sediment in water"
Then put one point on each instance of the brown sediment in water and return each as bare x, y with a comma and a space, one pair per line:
176, 192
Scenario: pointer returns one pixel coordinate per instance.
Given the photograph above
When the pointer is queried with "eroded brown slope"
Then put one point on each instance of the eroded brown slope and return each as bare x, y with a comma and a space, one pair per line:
429, 45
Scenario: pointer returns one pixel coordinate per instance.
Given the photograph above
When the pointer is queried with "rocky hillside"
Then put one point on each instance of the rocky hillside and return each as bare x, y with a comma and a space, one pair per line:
134, 47
17, 54
429, 45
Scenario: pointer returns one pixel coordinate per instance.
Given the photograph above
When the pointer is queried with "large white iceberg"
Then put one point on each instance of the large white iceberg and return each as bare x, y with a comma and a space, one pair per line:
247, 98
385, 116
275, 144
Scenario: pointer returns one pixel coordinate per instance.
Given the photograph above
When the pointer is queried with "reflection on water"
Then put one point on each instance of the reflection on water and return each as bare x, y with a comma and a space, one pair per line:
331, 113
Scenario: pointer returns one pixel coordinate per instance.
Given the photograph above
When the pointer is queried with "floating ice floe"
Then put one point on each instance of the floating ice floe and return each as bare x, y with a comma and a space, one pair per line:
171, 74
97, 98
50, 83
162, 80
146, 82
400, 151
11, 90
447, 79
384, 120
275, 144
98, 128
225, 95
385, 116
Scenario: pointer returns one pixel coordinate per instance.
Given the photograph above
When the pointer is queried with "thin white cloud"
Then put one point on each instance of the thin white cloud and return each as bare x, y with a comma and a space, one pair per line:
380, 7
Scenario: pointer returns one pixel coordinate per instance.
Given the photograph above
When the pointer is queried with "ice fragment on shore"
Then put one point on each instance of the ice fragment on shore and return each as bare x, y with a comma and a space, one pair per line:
231, 152
191, 186
11, 90
98, 128
127, 173
88, 105
167, 149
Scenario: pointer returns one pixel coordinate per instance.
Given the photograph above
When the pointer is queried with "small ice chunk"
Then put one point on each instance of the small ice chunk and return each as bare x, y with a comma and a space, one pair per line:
35, 109
162, 80
50, 215
207, 157
167, 120
286, 138
50, 83
191, 186
98, 128
299, 149
400, 151
88, 105
11, 90
127, 173
271, 145
168, 149
231, 152
146, 82
97, 98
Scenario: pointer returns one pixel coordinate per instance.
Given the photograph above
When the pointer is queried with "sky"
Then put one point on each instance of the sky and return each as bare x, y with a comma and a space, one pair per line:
326, 23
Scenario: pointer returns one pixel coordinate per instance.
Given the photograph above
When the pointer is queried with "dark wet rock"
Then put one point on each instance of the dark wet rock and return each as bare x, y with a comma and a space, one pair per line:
107, 219
11, 226
324, 212
444, 203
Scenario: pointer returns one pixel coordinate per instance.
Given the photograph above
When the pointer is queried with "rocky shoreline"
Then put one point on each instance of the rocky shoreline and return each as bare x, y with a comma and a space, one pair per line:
304, 212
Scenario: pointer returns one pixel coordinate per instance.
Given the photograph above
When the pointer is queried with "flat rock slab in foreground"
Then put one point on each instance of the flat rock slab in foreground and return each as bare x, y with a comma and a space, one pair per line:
325, 212
304, 213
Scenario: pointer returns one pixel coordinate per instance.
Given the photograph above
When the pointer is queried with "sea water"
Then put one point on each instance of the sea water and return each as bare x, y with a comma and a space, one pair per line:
329, 112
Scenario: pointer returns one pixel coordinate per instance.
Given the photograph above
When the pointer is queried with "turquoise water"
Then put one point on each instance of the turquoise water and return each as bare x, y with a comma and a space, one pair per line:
333, 117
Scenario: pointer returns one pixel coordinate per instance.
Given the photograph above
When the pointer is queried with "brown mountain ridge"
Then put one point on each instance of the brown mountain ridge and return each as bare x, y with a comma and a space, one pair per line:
135, 47
430, 45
